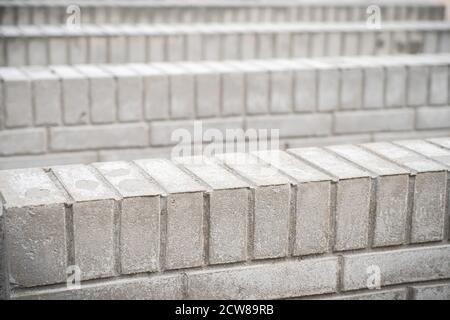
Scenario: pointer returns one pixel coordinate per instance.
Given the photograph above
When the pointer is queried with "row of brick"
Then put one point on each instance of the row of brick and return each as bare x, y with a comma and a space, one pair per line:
105, 94
145, 43
117, 12
159, 134
155, 215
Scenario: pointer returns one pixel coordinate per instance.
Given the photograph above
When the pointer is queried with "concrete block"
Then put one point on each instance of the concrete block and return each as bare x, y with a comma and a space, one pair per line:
117, 46
17, 98
35, 227
194, 46
433, 118
333, 44
395, 84
417, 85
264, 44
351, 88
391, 197
230, 46
129, 92
140, 216
328, 86
78, 50
352, 197
37, 51
229, 209
97, 49
93, 214
271, 204
300, 45
16, 52
439, 84
287, 279
429, 190
373, 121
352, 42
432, 292
95, 137
102, 90
313, 207
373, 87
397, 266
184, 242
75, 95
23, 141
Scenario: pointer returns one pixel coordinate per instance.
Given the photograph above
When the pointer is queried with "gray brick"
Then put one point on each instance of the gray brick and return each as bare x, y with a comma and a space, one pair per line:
184, 231
17, 98
429, 190
352, 198
328, 86
397, 266
140, 216
78, 50
165, 287
373, 86
229, 209
372, 121
75, 101
22, 141
417, 85
94, 137
433, 118
287, 279
392, 194
35, 227
93, 220
395, 84
432, 292
312, 218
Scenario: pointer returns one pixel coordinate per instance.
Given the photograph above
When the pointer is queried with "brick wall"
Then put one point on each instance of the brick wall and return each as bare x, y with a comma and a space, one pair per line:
305, 223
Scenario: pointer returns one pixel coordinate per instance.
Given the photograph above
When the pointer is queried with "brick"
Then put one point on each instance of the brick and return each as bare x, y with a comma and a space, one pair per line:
22, 141
101, 93
395, 294
328, 86
129, 93
373, 121
373, 96
165, 287
58, 52
429, 190
35, 227
257, 87
229, 209
182, 88
439, 84
46, 90
140, 216
264, 43
185, 217
432, 292
75, 93
395, 84
397, 266
352, 197
169, 132
417, 85
351, 89
16, 52
433, 118
98, 49
271, 204
211, 44
428, 150
78, 49
351, 43
30, 161
156, 91
288, 279
327, 141
392, 194
312, 217
293, 125
94, 137
17, 98
300, 45
93, 214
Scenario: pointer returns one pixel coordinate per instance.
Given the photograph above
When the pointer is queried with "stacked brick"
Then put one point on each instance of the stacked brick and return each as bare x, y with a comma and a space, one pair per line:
312, 220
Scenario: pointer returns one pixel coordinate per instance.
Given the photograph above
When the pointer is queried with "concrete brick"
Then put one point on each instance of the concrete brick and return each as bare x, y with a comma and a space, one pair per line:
300, 45
395, 85
429, 190
351, 43
102, 94
117, 43
372, 121
373, 87
93, 215
211, 45
287, 279
165, 287
328, 86
140, 216
193, 46
229, 209
22, 141
17, 98
16, 52
46, 91
35, 227
351, 90
428, 150
182, 89
392, 194
397, 266
432, 292
129, 93
432, 117
395, 294
78, 50
417, 85
75, 93
27, 161
317, 43
184, 243
156, 91
257, 87
58, 51
293, 125
271, 204
352, 197
312, 217
97, 49
94, 137
439, 85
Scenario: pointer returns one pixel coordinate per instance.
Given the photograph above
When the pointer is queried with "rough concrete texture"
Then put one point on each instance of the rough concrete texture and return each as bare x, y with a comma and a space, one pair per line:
432, 292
